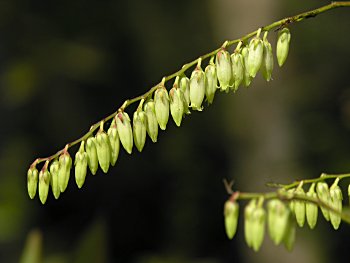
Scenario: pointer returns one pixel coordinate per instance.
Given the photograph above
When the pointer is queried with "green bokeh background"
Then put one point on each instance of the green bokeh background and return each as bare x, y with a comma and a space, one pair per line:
66, 64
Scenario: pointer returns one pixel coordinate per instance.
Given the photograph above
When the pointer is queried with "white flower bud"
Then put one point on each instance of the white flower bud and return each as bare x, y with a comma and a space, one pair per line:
282, 47
44, 183
81, 162
177, 103
211, 82
54, 167
32, 181
161, 104
114, 142
255, 56
124, 130
65, 163
151, 122
139, 129
267, 63
197, 88
224, 69
92, 154
246, 77
103, 150
311, 208
231, 211
237, 69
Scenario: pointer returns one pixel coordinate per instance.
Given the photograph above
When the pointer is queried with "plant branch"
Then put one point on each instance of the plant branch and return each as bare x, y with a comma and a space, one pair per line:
275, 25
289, 196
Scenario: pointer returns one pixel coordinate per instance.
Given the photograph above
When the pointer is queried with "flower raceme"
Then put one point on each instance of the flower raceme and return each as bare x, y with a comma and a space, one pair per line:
286, 209
223, 72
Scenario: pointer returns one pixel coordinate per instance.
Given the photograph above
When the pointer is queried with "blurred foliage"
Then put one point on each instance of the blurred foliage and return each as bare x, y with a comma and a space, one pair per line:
65, 65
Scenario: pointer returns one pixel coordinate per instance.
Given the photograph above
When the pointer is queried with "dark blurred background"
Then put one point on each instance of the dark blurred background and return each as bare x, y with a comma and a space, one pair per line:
66, 64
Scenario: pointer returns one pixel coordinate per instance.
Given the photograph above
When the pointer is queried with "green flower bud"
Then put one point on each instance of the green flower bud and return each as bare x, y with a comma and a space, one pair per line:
289, 236
81, 162
103, 150
278, 215
65, 163
237, 69
231, 211
267, 63
290, 194
161, 105
44, 183
211, 82
197, 88
255, 56
336, 203
299, 208
54, 168
311, 208
246, 77
177, 103
151, 123
322, 191
185, 88
114, 142
124, 130
248, 215
223, 69
92, 154
282, 48
139, 128
258, 227
32, 181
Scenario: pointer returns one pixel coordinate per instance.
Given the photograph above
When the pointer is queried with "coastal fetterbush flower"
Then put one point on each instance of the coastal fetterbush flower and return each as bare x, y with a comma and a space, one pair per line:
299, 207
184, 85
278, 216
114, 142
248, 222
92, 154
54, 167
223, 69
211, 82
282, 47
289, 236
81, 162
44, 183
32, 181
161, 104
197, 88
231, 211
237, 69
255, 56
139, 128
151, 123
103, 150
177, 104
124, 130
258, 218
267, 62
323, 194
336, 203
246, 76
311, 208
64, 166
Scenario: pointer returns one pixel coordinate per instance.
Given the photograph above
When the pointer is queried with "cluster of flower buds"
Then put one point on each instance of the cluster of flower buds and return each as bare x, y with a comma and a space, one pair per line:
290, 208
246, 61
277, 215
226, 73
